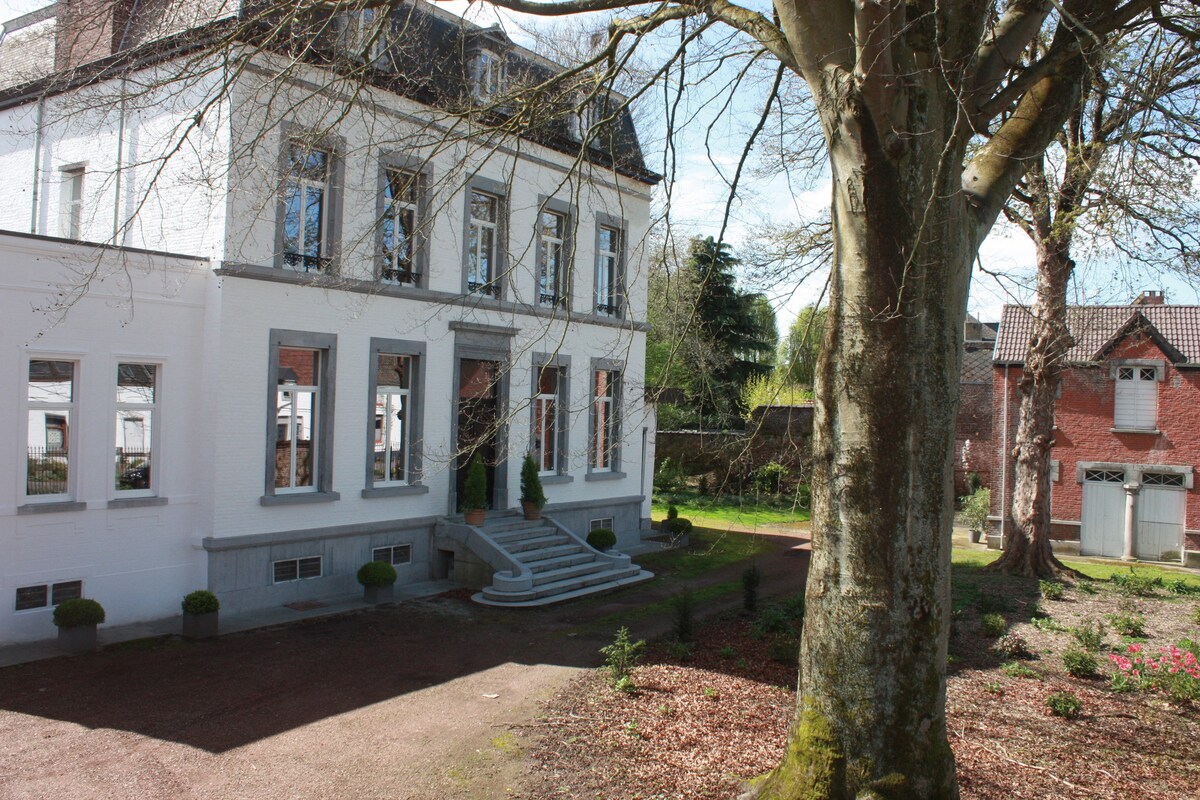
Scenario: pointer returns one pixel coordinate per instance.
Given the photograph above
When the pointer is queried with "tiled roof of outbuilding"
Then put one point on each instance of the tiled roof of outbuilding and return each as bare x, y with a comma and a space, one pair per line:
1097, 328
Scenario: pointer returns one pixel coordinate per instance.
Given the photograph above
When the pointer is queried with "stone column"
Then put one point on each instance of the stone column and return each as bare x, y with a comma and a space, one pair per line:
1131, 493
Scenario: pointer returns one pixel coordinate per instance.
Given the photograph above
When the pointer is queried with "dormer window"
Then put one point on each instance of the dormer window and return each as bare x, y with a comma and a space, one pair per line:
364, 36
1135, 405
487, 75
589, 118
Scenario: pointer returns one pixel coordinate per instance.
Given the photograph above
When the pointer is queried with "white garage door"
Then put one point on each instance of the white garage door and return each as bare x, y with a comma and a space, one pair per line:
1161, 505
1102, 532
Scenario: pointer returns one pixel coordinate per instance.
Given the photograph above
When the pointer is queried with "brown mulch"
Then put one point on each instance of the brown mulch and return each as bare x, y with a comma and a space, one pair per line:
674, 739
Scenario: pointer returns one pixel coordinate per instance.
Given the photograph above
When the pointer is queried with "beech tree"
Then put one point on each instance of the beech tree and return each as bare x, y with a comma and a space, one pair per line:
1119, 174
929, 117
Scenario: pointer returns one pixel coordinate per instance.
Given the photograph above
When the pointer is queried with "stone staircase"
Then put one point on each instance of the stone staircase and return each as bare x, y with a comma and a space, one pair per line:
545, 563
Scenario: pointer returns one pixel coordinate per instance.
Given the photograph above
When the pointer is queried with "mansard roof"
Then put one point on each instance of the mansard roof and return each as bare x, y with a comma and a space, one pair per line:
1098, 330
427, 60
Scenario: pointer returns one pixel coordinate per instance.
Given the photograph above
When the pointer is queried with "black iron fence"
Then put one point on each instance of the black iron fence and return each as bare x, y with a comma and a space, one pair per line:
46, 472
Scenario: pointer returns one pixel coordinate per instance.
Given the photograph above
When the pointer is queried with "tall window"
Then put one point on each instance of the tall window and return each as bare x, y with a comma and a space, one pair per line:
136, 406
1136, 400
482, 240
305, 200
51, 394
545, 421
608, 248
604, 420
71, 225
392, 404
297, 404
488, 77
550, 259
399, 226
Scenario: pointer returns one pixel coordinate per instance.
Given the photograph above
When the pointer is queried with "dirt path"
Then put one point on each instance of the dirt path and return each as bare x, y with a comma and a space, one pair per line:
428, 699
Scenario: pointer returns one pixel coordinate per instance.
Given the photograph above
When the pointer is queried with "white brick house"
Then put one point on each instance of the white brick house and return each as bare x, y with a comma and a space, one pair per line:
304, 313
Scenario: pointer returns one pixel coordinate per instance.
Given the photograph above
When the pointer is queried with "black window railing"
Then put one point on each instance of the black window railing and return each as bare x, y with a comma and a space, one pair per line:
401, 276
305, 263
475, 287
609, 309
46, 471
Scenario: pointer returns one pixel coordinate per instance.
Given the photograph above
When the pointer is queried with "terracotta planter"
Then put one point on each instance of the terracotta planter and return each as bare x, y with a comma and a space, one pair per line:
77, 640
474, 516
200, 626
532, 510
379, 594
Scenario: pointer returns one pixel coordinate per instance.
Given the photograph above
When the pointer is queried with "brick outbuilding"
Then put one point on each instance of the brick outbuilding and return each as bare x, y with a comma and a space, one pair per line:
1126, 434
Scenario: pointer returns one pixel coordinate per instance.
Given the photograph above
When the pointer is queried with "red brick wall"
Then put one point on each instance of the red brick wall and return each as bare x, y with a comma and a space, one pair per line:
1084, 419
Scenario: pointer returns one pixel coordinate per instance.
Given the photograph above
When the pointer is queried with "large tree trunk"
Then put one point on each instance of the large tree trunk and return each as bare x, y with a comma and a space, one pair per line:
870, 720
1027, 542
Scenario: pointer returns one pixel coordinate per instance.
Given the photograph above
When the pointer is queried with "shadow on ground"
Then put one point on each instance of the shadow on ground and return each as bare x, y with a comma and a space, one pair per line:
222, 694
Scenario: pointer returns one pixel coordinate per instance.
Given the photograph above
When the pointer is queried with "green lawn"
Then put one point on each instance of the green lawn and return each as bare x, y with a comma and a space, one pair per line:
709, 550
717, 512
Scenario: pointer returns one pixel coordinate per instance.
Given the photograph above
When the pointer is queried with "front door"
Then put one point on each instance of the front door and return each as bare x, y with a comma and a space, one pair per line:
478, 422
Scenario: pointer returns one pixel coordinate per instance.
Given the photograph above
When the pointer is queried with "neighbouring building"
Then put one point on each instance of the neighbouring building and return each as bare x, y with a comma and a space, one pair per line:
259, 315
973, 433
1126, 430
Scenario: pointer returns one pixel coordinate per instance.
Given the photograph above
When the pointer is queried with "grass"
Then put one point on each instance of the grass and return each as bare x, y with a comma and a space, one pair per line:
724, 510
709, 550
1096, 570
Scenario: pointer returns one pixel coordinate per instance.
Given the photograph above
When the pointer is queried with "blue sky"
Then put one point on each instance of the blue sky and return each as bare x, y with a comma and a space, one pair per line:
699, 197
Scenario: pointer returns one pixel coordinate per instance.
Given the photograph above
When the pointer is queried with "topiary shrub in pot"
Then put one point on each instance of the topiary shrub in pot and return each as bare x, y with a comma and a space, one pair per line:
679, 529
533, 497
379, 581
77, 620
475, 500
602, 538
200, 614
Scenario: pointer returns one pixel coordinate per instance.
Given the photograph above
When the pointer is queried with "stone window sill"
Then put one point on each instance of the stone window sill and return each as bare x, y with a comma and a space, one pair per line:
299, 498
51, 508
395, 491
604, 476
555, 480
1147, 431
137, 502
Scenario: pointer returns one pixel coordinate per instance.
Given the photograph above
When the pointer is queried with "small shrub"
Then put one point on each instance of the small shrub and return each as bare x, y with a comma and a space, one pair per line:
622, 655
727, 652
751, 578
1121, 683
625, 685
200, 601
682, 651
711, 693
685, 616
678, 526
601, 538
702, 486
1128, 624
1086, 586
993, 625
1015, 669
993, 687
1090, 635
1051, 590
772, 620
1046, 624
376, 573
1012, 646
531, 483
1064, 704
1079, 663
78, 613
1136, 584
976, 508
1196, 615
1181, 587
475, 487
672, 512
785, 650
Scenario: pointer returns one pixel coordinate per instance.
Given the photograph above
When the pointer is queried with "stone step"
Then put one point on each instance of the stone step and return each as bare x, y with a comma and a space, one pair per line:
568, 590
514, 524
522, 533
529, 557
545, 564
535, 543
571, 571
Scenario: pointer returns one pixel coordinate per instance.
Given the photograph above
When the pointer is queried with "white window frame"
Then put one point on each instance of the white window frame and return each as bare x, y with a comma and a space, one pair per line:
315, 424
393, 212
152, 411
389, 393
71, 198
391, 551
478, 283
546, 424
601, 522
70, 442
1130, 379
608, 263
51, 590
361, 27
296, 181
604, 407
488, 70
550, 289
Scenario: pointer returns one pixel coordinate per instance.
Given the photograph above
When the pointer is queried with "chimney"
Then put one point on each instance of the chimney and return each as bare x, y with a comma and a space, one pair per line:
1150, 298
88, 30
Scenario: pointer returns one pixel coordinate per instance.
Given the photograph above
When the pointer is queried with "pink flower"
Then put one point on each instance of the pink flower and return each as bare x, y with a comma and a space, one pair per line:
1135, 648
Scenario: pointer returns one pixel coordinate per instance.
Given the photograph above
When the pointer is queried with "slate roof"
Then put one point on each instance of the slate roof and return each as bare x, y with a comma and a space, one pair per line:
426, 60
1097, 329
